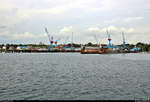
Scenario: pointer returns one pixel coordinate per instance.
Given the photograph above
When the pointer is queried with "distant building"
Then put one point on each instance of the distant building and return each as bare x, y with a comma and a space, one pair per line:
18, 48
22, 48
11, 48
42, 49
4, 47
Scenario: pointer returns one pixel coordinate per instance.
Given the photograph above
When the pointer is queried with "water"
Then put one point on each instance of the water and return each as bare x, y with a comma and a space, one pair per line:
45, 76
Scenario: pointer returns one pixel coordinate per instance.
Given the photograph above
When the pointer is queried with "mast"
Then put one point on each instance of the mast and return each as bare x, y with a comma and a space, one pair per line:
72, 42
123, 37
47, 34
109, 39
72, 39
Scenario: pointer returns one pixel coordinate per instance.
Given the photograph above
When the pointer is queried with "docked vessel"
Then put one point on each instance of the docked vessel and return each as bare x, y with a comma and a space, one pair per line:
104, 50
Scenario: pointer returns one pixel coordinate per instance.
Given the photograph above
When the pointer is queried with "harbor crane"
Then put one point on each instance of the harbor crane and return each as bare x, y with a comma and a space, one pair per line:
72, 48
97, 41
51, 40
110, 45
56, 42
65, 46
124, 43
96, 38
109, 39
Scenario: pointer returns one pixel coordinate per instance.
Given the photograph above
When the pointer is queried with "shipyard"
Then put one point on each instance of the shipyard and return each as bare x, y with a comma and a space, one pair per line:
74, 50
53, 47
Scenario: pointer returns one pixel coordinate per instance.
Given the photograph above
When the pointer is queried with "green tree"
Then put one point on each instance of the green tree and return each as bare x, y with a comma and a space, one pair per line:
89, 44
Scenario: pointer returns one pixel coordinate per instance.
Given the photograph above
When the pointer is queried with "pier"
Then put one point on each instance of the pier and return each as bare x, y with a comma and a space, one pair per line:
41, 51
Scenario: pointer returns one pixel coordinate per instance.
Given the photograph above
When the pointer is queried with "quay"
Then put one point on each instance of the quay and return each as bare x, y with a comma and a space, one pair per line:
42, 51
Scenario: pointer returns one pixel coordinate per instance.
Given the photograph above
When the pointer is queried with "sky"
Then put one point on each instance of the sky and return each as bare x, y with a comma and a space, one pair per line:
24, 21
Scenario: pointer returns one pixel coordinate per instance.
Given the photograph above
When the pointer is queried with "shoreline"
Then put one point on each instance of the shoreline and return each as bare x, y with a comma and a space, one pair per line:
68, 51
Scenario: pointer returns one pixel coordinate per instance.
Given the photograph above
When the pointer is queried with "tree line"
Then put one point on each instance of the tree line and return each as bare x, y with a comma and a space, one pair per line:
142, 46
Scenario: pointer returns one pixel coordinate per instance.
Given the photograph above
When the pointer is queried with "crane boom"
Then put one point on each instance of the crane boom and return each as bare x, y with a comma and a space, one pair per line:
124, 43
47, 34
96, 38
108, 35
109, 39
72, 39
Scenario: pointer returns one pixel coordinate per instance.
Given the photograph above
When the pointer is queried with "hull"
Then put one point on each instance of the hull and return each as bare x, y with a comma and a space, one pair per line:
104, 51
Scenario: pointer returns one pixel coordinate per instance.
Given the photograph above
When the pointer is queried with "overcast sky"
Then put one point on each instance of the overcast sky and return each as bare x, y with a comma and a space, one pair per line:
23, 21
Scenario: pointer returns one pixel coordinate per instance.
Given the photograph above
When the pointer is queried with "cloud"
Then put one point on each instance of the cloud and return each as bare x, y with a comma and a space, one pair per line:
111, 21
25, 35
31, 8
65, 29
124, 20
4, 34
130, 19
5, 5
109, 28
112, 28
130, 30
96, 16
94, 29
29, 13
3, 27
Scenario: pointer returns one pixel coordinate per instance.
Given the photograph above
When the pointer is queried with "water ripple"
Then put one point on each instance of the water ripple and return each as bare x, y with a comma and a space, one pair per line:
74, 76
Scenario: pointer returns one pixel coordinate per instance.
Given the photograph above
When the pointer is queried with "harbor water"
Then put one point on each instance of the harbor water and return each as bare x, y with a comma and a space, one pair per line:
73, 76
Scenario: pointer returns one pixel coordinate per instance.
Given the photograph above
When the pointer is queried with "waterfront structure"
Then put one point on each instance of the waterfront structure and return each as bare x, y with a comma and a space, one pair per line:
53, 47
109, 39
53, 43
105, 49
72, 48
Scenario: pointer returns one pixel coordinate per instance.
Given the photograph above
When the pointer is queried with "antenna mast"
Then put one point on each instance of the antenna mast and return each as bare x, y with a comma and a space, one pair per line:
109, 39
124, 43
